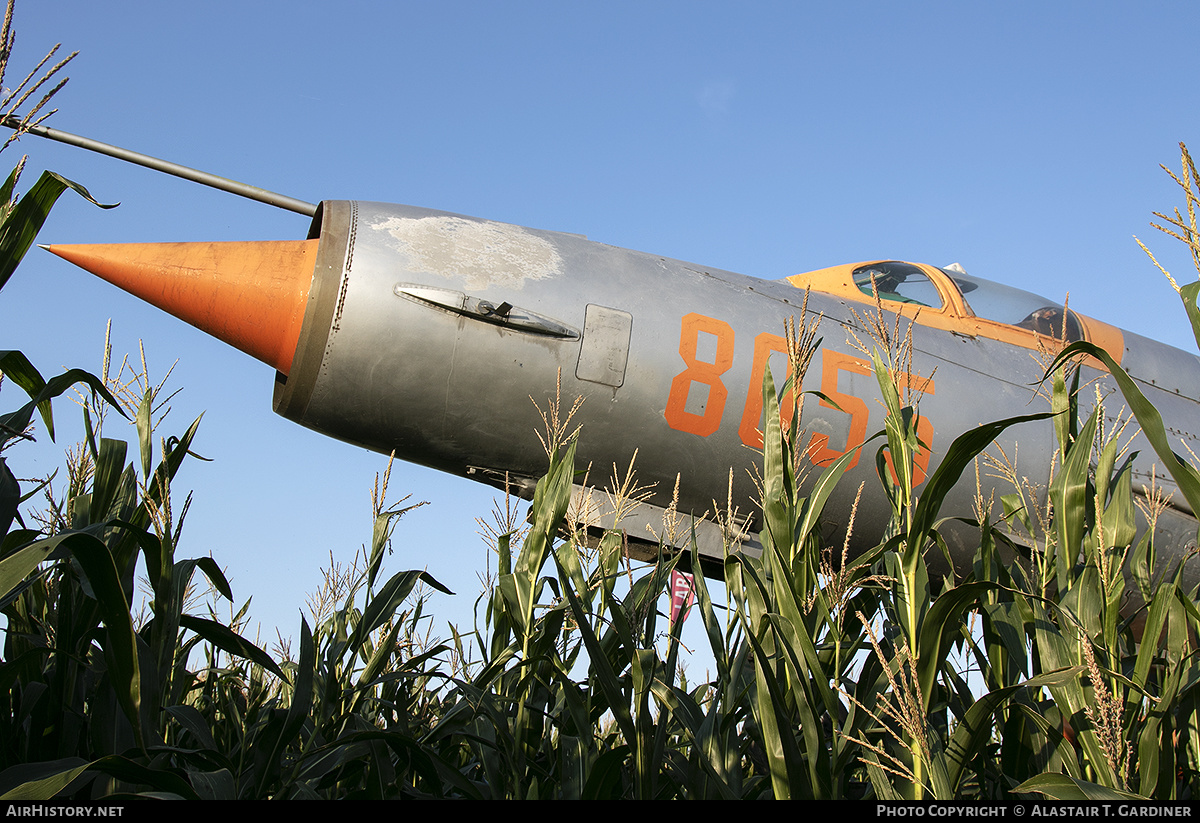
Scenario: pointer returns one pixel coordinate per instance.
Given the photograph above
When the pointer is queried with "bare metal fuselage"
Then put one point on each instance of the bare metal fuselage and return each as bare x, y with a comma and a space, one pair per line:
428, 334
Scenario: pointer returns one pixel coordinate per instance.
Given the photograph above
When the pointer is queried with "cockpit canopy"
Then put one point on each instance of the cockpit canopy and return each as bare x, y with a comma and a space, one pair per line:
952, 299
906, 283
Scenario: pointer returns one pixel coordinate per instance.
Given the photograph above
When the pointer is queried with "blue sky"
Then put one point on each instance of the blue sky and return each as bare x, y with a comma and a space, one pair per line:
1019, 139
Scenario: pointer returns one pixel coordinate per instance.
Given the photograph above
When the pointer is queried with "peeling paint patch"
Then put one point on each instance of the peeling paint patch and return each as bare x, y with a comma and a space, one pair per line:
479, 253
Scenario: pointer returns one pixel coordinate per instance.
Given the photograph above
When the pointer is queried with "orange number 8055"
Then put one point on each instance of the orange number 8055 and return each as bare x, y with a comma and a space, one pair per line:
707, 419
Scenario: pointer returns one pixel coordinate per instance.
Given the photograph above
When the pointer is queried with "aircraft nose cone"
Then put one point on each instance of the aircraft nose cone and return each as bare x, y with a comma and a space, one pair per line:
252, 295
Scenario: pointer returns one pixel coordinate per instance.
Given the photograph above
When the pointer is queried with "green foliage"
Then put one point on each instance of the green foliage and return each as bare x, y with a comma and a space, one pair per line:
98, 701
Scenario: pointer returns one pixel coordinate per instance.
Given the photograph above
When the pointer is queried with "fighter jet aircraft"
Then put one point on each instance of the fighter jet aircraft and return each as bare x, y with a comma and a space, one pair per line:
425, 333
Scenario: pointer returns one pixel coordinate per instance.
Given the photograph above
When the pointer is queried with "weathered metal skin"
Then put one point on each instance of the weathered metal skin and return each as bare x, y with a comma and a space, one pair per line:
428, 333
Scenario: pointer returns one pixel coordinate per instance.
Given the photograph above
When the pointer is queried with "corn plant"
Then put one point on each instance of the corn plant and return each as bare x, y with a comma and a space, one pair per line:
1131, 714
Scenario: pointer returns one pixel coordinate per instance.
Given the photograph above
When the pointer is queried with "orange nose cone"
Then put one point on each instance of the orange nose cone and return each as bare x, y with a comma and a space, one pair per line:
251, 295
